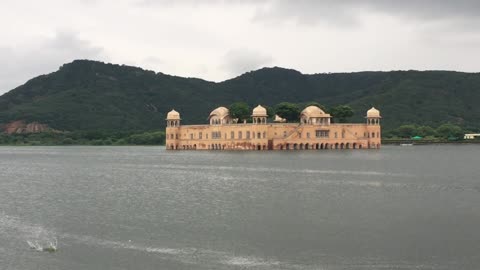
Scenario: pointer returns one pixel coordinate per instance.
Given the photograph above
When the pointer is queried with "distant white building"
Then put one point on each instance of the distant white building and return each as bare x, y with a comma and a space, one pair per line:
471, 136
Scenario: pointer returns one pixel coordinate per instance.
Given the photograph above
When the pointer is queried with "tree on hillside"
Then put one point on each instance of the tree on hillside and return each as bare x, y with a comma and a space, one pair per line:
341, 113
287, 110
425, 131
240, 110
270, 111
449, 130
406, 131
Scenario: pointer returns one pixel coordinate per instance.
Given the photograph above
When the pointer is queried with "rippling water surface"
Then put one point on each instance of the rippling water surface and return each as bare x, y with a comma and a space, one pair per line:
147, 208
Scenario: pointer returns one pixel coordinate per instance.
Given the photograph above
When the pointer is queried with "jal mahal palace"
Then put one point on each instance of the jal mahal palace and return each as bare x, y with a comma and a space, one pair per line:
314, 131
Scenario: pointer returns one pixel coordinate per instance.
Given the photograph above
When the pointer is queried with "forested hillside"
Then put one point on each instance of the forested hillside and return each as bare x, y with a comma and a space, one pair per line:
89, 95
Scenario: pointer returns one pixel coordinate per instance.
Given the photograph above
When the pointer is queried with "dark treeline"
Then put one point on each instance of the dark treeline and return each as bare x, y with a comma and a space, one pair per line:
242, 111
85, 138
445, 131
85, 96
90, 95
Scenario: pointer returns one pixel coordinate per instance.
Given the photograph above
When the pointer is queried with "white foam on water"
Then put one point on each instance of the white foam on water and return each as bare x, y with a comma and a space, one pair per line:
29, 232
280, 170
186, 255
38, 238
35, 237
316, 173
35, 245
170, 251
249, 262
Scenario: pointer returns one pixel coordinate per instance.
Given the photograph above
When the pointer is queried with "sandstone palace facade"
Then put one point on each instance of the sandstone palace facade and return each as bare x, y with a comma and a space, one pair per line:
314, 131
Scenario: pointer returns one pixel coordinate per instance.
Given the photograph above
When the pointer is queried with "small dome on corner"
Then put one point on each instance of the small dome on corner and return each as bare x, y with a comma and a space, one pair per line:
373, 112
173, 115
259, 111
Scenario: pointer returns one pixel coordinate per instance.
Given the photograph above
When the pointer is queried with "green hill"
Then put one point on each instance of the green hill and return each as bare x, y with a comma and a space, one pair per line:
89, 95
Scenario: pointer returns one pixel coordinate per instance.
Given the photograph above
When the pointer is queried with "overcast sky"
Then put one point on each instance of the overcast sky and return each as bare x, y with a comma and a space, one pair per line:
217, 40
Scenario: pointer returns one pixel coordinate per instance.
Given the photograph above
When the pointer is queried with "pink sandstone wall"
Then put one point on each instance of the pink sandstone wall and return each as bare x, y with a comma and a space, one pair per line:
273, 136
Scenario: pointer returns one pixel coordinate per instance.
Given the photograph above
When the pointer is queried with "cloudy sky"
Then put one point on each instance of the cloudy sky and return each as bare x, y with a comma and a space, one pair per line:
217, 40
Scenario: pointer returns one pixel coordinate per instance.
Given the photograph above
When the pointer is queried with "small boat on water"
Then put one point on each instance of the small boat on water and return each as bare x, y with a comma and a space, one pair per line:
406, 144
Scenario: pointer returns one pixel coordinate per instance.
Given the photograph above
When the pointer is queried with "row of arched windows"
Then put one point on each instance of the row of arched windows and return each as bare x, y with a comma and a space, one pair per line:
263, 135
172, 136
371, 135
286, 146
316, 120
318, 146
173, 123
373, 121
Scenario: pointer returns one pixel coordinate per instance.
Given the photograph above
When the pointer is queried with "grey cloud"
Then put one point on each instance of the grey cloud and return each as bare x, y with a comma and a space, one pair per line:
308, 12
242, 60
429, 9
346, 12
349, 12
43, 56
197, 2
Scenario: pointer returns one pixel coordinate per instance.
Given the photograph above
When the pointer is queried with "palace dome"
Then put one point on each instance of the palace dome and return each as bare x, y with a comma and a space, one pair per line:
373, 113
259, 111
173, 115
220, 112
314, 111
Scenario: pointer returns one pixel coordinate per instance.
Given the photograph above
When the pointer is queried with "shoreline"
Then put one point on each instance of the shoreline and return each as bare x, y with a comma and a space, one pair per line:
426, 142
386, 142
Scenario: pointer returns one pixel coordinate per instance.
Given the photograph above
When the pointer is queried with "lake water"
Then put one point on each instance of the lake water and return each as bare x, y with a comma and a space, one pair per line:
414, 207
